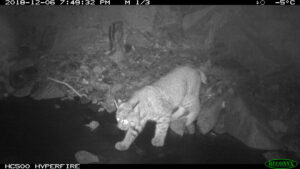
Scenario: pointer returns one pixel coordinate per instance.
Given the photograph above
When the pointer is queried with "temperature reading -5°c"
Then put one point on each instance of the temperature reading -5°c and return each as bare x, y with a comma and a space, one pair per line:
286, 2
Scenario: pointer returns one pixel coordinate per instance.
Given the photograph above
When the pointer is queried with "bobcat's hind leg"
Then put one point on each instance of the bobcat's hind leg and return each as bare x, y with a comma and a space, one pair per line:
160, 132
178, 113
194, 110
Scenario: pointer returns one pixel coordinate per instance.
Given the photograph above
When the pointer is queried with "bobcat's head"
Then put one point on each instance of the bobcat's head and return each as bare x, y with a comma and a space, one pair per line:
126, 115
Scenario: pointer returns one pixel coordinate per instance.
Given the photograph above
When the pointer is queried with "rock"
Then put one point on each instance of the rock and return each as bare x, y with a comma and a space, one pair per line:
100, 86
92, 125
94, 101
84, 81
249, 125
84, 157
47, 91
209, 116
116, 87
84, 100
56, 106
23, 92
101, 109
98, 69
85, 69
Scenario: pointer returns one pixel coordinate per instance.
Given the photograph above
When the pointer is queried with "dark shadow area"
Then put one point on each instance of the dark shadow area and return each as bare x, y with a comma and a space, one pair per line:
37, 132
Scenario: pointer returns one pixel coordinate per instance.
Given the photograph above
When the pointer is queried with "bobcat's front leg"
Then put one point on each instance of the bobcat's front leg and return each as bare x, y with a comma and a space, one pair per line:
131, 135
127, 141
160, 132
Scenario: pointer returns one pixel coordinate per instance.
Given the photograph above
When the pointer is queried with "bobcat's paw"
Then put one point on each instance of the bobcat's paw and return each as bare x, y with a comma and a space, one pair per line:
121, 146
157, 142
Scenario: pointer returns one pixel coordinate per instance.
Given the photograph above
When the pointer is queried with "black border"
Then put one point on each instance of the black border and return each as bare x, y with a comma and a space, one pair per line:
173, 166
145, 2
165, 166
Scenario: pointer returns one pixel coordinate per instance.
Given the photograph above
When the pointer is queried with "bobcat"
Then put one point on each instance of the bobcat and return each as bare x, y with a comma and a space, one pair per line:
178, 90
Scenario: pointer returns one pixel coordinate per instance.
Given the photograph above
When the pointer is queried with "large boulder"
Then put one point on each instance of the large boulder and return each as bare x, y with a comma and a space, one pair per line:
249, 124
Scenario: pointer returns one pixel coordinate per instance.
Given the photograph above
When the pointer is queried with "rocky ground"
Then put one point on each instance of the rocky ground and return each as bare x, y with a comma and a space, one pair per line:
250, 61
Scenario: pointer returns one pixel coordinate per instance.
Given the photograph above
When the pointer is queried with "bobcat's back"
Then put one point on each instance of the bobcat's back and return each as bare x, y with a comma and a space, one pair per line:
182, 81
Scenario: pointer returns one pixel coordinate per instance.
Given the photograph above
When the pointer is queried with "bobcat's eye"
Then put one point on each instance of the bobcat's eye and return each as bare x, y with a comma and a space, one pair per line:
118, 119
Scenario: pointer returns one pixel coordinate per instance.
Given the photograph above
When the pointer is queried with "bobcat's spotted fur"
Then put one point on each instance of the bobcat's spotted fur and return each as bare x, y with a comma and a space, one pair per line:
178, 90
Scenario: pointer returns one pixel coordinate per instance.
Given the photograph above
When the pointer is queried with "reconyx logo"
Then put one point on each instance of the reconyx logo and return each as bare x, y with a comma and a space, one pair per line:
281, 164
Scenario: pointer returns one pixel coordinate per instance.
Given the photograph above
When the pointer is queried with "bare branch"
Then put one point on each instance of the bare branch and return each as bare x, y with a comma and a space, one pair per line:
69, 86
